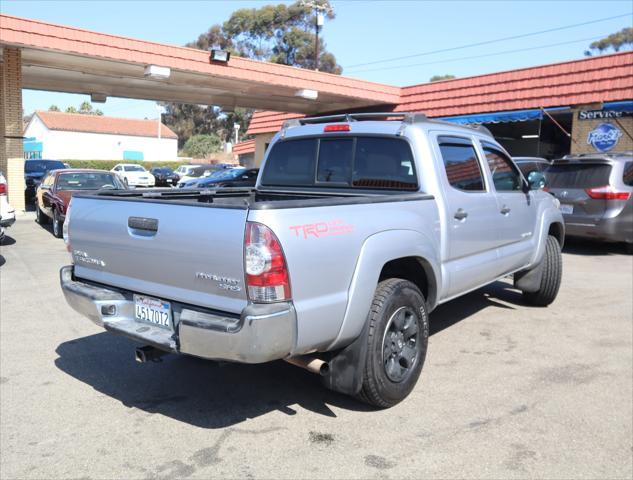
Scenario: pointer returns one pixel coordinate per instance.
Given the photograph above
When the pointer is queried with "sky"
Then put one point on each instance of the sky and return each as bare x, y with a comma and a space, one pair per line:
363, 32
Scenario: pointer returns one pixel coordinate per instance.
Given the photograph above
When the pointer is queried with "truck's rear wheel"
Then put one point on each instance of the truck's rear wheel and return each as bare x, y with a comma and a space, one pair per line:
396, 343
551, 278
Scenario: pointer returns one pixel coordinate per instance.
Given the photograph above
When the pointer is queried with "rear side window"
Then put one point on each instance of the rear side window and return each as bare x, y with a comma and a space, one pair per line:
627, 177
578, 175
360, 162
505, 175
461, 164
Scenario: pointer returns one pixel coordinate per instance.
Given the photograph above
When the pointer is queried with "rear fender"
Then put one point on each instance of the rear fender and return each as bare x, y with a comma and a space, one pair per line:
377, 250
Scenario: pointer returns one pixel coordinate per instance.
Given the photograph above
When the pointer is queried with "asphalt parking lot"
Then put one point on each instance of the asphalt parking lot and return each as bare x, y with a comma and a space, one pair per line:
508, 391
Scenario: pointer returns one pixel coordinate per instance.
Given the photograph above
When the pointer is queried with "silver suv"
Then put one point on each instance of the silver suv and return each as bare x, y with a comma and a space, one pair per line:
595, 194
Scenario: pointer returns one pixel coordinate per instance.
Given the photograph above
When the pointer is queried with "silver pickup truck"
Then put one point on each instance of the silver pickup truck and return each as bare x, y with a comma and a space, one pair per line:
358, 227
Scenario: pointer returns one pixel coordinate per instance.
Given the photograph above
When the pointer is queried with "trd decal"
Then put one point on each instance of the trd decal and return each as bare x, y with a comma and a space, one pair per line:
322, 229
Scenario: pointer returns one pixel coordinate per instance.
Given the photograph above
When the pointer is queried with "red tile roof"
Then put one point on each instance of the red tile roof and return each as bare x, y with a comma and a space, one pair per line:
589, 80
76, 122
595, 79
242, 148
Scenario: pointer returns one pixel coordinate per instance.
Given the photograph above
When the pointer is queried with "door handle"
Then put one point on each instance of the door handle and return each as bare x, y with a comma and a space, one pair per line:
460, 214
505, 210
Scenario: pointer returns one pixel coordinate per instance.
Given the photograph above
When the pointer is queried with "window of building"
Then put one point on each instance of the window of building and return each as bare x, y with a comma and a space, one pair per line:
460, 161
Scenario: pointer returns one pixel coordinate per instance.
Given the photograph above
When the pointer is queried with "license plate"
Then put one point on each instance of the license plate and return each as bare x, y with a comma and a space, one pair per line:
169, 180
152, 310
567, 209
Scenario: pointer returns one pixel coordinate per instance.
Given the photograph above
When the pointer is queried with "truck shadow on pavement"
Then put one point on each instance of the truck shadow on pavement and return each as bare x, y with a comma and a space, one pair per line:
215, 395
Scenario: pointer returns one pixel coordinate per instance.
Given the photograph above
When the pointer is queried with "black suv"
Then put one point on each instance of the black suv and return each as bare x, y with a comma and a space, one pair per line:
35, 171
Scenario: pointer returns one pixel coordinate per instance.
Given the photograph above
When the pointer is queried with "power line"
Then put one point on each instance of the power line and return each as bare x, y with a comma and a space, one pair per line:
488, 42
478, 56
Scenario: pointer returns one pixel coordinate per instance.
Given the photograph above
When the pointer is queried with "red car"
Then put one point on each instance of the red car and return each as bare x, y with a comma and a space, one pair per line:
53, 194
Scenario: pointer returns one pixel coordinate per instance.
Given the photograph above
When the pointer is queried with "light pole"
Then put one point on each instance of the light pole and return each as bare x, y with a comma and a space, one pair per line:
236, 128
321, 8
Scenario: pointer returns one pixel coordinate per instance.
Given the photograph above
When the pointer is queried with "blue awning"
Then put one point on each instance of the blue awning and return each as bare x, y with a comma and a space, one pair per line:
501, 117
623, 106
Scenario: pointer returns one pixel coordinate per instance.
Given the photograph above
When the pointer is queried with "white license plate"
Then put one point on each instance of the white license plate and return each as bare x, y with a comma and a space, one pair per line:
169, 180
566, 209
152, 310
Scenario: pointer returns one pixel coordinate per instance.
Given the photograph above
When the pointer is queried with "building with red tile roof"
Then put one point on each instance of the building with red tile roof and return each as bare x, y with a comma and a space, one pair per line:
75, 136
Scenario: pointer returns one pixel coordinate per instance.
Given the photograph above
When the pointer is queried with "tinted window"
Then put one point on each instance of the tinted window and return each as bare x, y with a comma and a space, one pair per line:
133, 168
460, 161
33, 166
335, 160
86, 181
291, 162
364, 162
627, 178
505, 175
578, 175
384, 163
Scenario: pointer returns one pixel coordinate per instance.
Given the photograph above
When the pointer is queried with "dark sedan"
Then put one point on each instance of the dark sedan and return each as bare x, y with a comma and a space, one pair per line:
35, 171
53, 194
165, 176
234, 177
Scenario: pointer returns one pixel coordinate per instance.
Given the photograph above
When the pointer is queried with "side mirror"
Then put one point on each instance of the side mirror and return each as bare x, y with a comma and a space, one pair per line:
536, 180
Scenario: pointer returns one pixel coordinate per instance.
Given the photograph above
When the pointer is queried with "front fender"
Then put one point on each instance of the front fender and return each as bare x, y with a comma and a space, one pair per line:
550, 215
377, 250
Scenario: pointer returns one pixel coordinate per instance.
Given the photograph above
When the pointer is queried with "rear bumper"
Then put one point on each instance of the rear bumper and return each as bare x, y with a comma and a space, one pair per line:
261, 333
617, 229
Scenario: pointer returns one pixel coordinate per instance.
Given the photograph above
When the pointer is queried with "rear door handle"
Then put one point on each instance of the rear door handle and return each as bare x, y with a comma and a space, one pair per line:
505, 210
149, 225
460, 214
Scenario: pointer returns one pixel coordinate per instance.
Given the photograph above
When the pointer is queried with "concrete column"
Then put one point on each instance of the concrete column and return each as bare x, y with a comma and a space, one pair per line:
11, 128
261, 141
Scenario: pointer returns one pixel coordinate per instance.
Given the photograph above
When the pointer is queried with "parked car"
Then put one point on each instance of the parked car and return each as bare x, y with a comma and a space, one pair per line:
165, 176
595, 194
232, 177
134, 175
196, 172
54, 193
35, 171
7, 212
354, 233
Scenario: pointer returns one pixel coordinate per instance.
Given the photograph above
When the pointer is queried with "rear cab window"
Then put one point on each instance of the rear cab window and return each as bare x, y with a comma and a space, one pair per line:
362, 162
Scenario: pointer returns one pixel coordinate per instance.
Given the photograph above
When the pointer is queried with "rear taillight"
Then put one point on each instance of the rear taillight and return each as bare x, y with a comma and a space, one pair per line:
267, 277
607, 193
65, 227
3, 188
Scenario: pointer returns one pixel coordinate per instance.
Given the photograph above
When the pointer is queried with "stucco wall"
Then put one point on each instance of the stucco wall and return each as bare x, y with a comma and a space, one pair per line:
260, 147
581, 129
61, 145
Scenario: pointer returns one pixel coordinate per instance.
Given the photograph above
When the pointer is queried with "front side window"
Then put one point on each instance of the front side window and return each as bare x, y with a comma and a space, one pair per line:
359, 162
461, 164
505, 174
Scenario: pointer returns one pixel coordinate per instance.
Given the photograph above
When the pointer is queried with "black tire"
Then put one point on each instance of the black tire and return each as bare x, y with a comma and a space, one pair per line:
40, 217
58, 225
395, 301
552, 275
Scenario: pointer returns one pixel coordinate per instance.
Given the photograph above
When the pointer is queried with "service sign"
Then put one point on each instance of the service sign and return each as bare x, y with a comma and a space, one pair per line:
601, 114
604, 137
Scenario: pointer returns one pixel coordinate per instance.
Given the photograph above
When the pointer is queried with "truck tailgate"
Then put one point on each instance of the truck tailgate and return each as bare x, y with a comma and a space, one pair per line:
188, 253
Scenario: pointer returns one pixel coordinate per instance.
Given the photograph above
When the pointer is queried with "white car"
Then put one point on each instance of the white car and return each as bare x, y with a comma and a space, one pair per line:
134, 175
7, 213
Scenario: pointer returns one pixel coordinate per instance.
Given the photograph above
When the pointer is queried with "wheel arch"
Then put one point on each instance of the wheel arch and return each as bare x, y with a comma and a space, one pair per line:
417, 270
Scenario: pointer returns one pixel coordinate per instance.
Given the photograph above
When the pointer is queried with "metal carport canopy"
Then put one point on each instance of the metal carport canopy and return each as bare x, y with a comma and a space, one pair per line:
67, 59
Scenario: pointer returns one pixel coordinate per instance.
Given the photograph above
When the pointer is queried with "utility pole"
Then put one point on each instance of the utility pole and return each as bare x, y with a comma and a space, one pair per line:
320, 9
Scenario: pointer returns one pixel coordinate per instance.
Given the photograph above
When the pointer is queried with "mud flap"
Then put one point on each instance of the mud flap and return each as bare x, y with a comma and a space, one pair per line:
345, 374
529, 281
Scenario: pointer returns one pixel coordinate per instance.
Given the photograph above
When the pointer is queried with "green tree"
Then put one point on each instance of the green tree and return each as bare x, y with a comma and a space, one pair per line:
86, 108
439, 78
201, 146
615, 41
53, 108
71, 109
